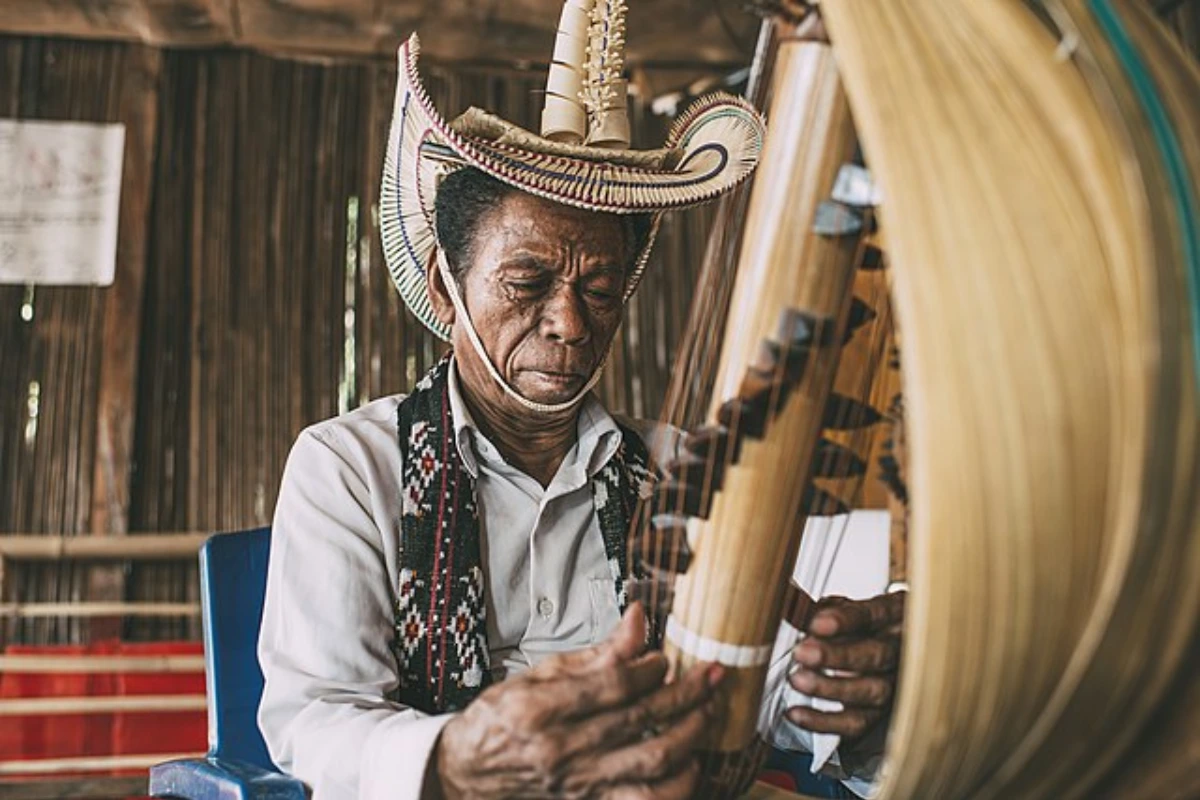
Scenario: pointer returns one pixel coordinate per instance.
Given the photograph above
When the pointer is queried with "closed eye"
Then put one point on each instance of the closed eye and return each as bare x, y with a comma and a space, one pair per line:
605, 287
529, 287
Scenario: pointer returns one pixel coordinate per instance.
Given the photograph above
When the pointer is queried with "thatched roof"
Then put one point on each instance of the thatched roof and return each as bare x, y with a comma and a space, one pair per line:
689, 31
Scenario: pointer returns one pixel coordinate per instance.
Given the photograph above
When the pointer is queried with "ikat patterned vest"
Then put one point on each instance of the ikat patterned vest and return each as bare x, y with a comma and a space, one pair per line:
441, 627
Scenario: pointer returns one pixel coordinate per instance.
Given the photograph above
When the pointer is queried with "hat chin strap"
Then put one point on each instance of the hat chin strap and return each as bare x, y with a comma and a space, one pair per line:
460, 309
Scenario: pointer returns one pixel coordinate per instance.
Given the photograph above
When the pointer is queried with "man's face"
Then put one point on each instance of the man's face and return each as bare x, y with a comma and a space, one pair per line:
545, 295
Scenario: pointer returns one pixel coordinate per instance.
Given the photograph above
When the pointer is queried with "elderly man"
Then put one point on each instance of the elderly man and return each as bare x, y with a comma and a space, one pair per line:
444, 604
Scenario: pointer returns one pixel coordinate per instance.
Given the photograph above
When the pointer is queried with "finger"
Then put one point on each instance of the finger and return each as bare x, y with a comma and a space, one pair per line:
853, 723
629, 639
841, 617
656, 758
562, 695
679, 786
626, 642
585, 695
877, 654
610, 730
863, 691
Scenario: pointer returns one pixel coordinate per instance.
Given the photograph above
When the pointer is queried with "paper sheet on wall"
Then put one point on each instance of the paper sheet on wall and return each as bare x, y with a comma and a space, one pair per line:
60, 192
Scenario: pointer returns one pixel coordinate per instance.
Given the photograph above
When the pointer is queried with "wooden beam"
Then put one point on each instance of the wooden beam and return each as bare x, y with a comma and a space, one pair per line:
57, 766
179, 23
33, 547
112, 704
98, 665
679, 31
29, 610
116, 399
117, 395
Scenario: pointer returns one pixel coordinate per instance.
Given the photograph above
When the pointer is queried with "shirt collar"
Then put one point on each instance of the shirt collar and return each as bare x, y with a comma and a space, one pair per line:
597, 435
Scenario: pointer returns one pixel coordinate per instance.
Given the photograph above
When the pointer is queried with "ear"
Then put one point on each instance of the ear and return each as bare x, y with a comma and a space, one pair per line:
439, 295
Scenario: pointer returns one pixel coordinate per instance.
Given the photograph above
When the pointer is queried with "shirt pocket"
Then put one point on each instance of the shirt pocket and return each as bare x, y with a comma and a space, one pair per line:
605, 614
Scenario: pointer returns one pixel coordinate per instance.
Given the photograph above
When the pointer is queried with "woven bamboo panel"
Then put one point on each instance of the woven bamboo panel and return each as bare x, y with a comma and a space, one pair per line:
266, 304
249, 240
49, 336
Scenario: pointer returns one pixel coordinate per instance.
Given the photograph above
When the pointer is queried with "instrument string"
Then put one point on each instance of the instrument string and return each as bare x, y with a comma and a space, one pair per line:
754, 394
864, 384
690, 387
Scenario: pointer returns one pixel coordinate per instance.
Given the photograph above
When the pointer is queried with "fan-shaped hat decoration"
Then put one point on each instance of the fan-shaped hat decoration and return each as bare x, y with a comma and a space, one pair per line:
581, 157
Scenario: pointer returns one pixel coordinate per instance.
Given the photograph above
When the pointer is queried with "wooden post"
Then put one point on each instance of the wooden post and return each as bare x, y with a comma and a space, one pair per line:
117, 393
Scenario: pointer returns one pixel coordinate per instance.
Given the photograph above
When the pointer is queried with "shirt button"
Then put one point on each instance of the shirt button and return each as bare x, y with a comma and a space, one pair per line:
545, 607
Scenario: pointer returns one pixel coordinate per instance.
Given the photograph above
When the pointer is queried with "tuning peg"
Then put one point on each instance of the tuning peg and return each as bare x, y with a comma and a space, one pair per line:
832, 460
745, 418
871, 259
820, 503
844, 413
860, 314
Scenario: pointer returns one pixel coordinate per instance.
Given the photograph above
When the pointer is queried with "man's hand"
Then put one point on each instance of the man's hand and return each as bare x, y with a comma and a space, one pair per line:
851, 655
594, 723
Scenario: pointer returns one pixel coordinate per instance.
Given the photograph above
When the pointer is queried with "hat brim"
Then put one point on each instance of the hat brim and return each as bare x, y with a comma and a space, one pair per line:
719, 140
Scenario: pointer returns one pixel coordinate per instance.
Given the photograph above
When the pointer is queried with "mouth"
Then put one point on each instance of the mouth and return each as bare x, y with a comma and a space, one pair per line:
552, 386
558, 379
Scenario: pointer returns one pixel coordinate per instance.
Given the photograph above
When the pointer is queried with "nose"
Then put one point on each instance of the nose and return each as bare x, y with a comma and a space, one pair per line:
564, 317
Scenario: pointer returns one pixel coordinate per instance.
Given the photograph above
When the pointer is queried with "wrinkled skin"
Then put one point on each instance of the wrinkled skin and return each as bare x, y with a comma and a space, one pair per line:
859, 643
851, 652
596, 723
544, 291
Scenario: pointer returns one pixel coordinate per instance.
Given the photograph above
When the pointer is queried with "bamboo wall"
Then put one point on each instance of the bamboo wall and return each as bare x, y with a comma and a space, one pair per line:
251, 299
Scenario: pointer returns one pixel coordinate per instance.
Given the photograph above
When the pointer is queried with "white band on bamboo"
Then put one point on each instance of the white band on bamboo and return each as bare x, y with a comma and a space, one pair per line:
706, 649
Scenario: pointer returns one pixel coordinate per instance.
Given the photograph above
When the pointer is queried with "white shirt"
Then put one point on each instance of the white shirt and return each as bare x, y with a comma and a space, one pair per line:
325, 645
327, 630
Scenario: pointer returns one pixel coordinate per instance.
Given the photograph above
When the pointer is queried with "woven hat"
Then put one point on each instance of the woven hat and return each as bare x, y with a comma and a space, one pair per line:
582, 157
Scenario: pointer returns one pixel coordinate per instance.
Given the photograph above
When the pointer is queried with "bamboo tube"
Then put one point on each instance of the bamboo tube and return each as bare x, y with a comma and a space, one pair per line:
727, 606
564, 117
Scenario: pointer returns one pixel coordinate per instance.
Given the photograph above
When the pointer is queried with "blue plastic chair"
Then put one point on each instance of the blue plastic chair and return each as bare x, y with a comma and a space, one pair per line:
233, 582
